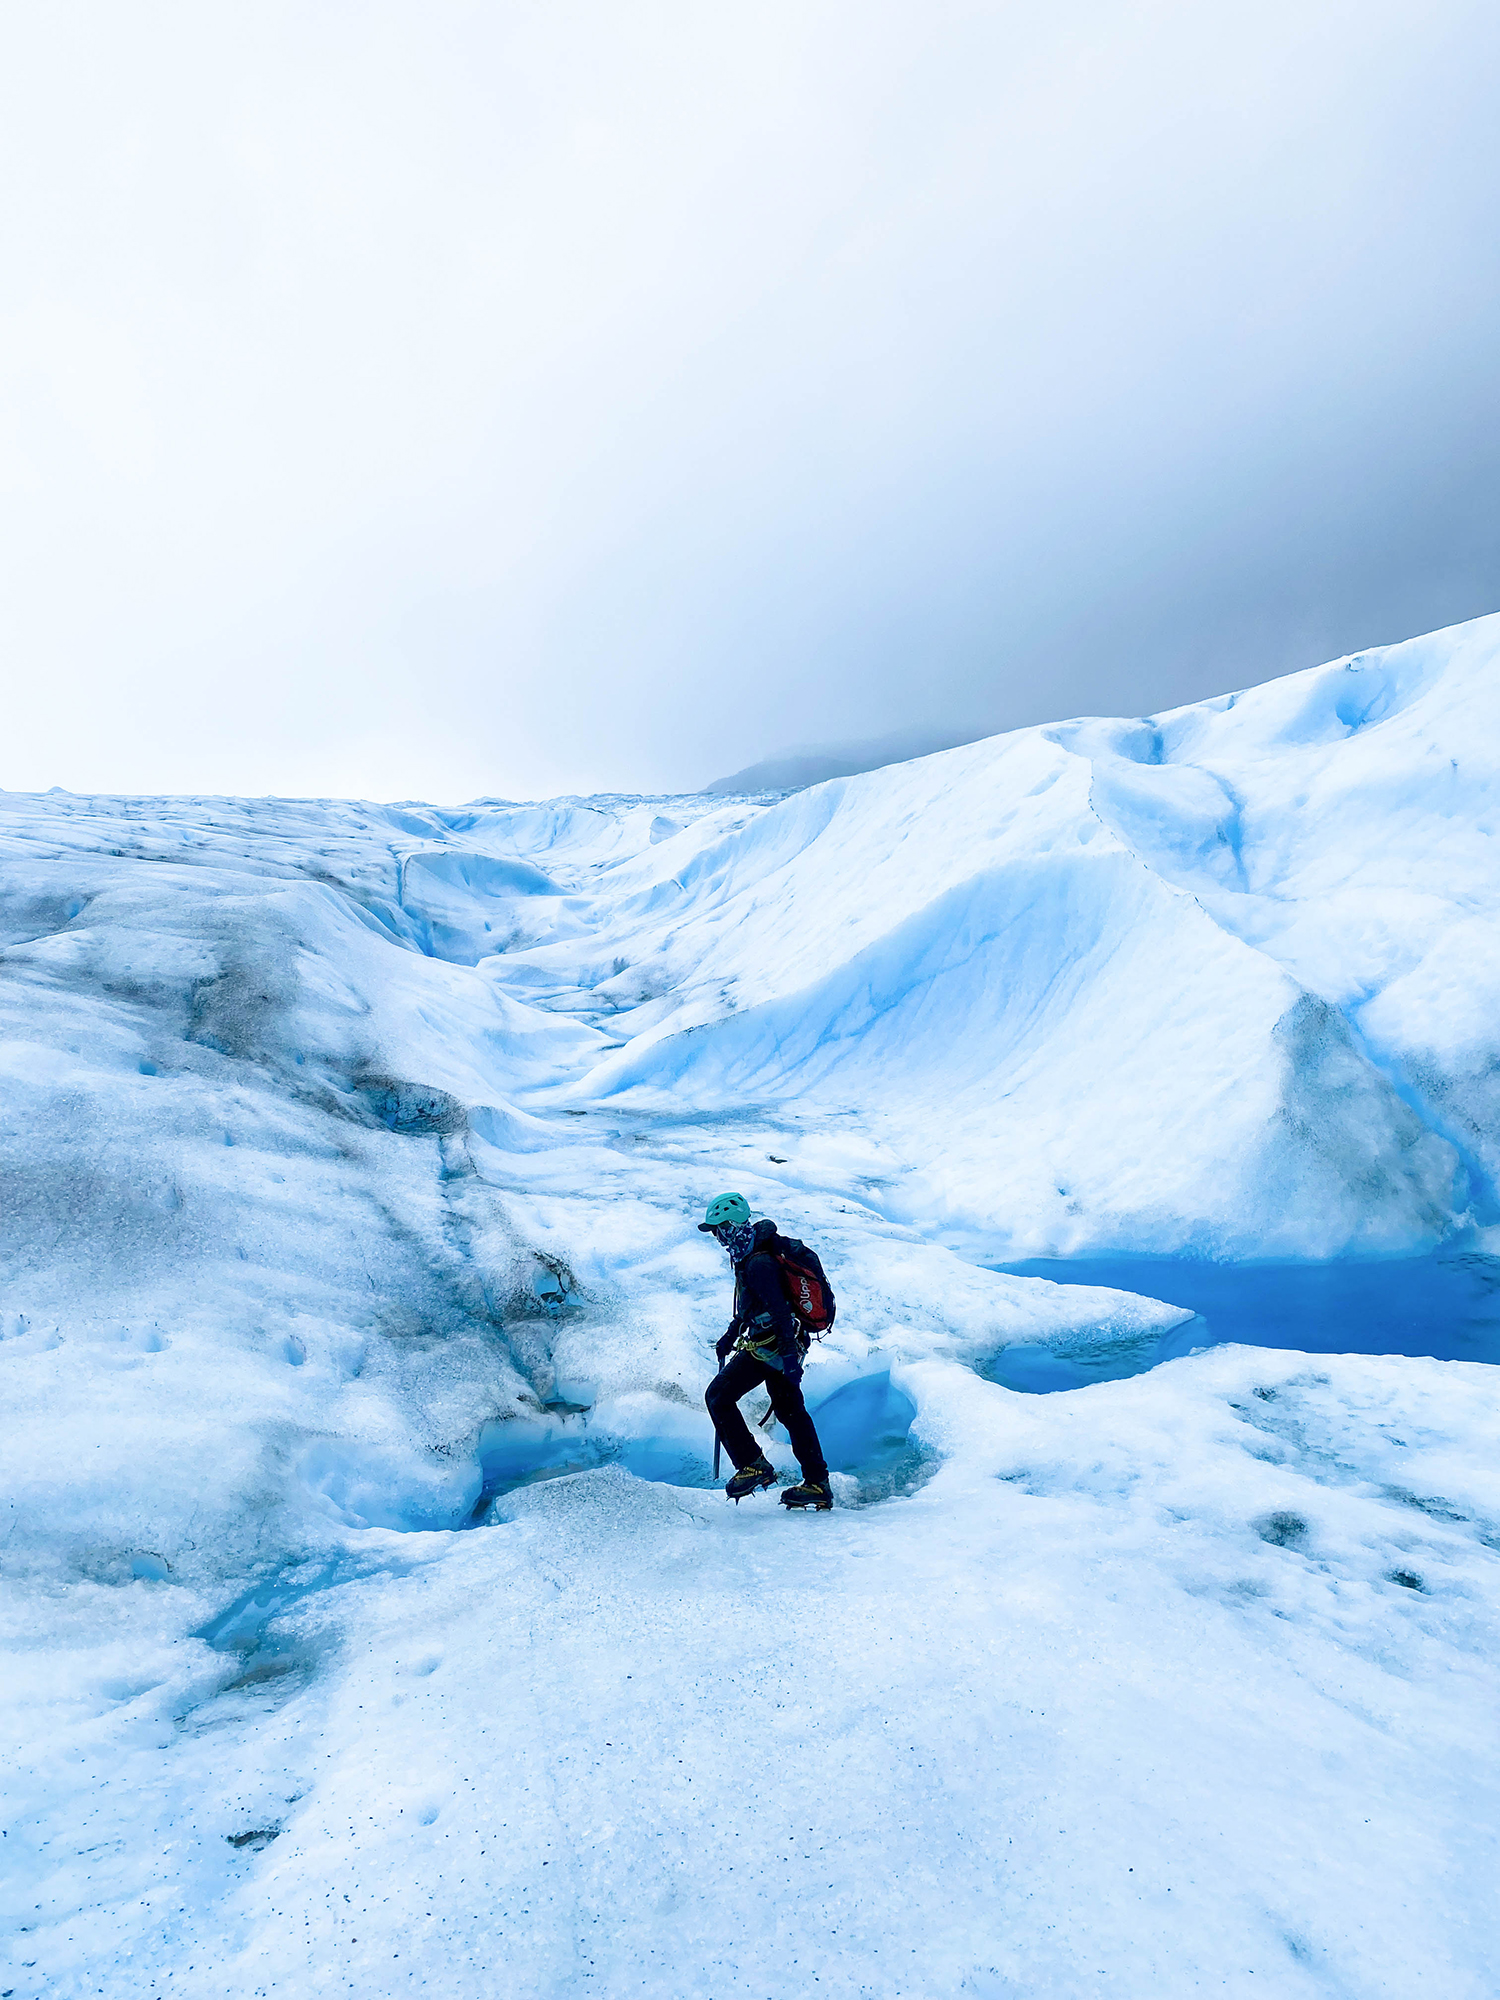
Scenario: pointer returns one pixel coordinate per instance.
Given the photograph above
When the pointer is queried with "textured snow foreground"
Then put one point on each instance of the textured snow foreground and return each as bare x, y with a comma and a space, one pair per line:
351, 1156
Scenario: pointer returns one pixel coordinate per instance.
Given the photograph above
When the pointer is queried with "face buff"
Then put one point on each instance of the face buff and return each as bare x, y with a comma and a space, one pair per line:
739, 1241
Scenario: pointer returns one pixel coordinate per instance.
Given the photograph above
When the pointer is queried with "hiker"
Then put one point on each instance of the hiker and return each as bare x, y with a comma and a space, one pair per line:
767, 1343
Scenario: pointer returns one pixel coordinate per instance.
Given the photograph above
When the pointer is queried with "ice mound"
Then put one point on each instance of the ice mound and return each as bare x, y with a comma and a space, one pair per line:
1223, 981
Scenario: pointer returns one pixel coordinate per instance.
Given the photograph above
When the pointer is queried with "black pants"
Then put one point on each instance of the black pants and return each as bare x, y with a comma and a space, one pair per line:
742, 1373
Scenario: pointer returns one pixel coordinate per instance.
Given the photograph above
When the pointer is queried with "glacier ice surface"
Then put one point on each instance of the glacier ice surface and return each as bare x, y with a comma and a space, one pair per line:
349, 1161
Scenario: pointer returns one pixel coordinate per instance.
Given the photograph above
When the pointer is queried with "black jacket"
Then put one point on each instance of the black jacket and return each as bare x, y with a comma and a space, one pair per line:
762, 1318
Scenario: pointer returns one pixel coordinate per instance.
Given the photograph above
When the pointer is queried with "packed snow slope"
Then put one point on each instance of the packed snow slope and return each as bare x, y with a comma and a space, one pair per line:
349, 1162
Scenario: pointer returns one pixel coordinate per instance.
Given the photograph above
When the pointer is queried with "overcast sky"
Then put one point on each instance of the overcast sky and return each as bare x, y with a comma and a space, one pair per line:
442, 399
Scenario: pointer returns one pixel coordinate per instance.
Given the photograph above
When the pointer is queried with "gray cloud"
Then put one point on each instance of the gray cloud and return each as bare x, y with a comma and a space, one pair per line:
459, 399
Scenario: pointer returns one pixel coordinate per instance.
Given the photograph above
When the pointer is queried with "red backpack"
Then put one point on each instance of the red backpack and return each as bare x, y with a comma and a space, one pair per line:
808, 1291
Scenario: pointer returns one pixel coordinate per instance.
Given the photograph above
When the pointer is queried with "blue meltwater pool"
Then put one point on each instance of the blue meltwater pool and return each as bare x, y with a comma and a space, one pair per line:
1447, 1306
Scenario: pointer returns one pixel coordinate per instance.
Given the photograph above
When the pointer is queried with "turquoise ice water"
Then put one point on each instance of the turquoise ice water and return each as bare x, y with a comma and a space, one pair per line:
1446, 1306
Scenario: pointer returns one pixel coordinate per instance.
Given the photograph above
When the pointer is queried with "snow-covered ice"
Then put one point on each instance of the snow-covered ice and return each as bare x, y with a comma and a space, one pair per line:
351, 1156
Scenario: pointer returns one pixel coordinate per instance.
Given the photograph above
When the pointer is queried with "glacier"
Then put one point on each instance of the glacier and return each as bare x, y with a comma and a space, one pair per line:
369, 1613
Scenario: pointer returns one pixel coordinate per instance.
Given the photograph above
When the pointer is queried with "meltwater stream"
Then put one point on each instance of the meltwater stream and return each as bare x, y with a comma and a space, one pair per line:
1446, 1306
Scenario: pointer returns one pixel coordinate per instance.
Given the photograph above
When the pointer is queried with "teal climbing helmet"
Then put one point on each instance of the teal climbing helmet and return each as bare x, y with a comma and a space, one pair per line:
725, 1210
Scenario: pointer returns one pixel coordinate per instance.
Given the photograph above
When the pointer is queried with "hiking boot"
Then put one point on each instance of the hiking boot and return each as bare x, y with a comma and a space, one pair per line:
751, 1478
811, 1493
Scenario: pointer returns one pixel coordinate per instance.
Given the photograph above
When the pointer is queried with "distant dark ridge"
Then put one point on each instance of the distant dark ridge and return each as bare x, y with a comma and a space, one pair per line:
798, 769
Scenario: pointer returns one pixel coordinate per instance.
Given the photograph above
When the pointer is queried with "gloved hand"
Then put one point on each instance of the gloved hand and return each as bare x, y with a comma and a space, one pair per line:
725, 1343
791, 1367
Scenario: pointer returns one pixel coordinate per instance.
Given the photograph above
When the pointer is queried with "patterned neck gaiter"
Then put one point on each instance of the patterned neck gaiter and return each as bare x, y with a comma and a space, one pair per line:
740, 1241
